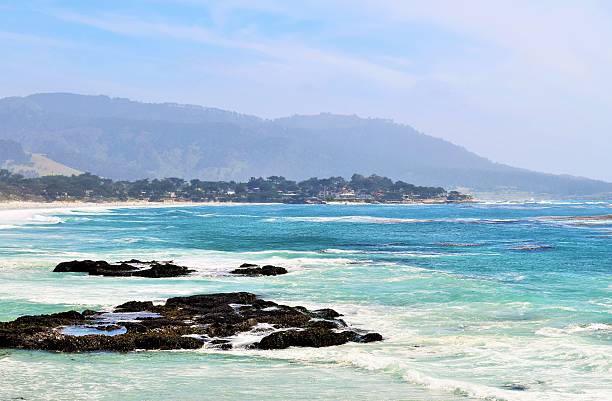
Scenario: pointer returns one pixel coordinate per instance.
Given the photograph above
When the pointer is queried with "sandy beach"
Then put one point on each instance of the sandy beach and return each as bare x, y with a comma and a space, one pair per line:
23, 205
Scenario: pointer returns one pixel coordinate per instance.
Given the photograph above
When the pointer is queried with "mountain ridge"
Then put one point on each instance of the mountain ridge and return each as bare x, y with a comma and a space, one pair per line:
123, 139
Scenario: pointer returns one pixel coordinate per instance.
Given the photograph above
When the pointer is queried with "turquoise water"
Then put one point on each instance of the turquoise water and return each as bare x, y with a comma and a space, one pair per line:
471, 299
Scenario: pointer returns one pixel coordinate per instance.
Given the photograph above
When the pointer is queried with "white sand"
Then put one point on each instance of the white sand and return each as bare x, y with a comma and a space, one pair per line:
23, 205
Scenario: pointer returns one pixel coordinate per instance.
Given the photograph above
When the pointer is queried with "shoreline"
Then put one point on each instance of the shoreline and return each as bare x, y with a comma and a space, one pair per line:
31, 205
26, 205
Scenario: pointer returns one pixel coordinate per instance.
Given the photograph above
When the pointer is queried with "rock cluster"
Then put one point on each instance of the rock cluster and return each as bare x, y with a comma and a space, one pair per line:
130, 268
249, 269
213, 320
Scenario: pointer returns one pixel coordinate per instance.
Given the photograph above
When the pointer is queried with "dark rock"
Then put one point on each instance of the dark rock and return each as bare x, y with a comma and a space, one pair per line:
222, 344
106, 327
314, 337
248, 265
131, 268
183, 323
132, 261
267, 270
370, 338
311, 337
326, 313
325, 324
211, 301
163, 270
81, 266
135, 306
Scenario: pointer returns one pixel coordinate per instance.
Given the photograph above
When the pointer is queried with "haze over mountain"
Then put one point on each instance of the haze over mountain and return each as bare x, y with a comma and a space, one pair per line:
123, 139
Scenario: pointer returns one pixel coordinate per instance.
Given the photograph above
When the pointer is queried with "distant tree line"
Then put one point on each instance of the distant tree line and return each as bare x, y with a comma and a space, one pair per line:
89, 187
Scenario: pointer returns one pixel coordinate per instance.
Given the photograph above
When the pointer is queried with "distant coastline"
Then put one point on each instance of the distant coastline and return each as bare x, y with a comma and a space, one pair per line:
26, 204
90, 188
6, 205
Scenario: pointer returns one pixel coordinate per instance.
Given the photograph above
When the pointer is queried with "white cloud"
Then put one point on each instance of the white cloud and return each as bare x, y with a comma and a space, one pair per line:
293, 54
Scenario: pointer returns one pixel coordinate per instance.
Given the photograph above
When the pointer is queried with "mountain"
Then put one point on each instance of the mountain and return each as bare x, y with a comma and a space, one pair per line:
16, 160
123, 139
12, 152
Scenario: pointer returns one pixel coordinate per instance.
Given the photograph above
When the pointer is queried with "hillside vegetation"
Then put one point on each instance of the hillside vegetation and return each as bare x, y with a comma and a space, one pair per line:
88, 187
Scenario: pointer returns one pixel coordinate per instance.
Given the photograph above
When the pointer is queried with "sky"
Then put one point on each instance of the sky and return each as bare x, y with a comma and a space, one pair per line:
526, 83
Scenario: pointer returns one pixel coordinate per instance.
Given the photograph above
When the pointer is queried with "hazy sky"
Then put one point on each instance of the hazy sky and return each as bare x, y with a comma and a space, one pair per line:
528, 83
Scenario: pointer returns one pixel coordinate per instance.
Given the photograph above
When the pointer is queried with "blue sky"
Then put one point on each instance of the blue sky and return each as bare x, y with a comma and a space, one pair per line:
521, 82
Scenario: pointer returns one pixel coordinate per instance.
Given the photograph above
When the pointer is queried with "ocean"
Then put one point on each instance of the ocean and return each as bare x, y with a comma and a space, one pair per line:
493, 301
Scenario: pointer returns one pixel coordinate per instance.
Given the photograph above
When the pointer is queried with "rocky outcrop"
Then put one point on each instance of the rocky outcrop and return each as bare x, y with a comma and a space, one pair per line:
211, 320
313, 337
248, 269
248, 265
131, 268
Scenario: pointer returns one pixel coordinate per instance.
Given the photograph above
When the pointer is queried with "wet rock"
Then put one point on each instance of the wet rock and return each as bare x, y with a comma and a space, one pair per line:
267, 270
311, 337
325, 324
248, 265
106, 327
326, 313
135, 306
182, 323
80, 266
369, 338
222, 344
131, 268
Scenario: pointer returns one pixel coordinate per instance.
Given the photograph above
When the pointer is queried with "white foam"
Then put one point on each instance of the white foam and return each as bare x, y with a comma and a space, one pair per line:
388, 220
257, 332
349, 219
7, 226
575, 328
18, 218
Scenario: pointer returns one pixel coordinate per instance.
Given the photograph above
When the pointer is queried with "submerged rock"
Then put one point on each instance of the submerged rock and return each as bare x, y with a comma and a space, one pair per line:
247, 269
212, 320
131, 268
515, 387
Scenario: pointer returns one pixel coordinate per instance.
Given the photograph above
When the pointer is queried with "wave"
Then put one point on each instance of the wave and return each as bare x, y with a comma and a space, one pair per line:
387, 220
542, 202
7, 226
87, 211
42, 219
348, 219
413, 254
18, 218
579, 221
459, 244
133, 240
480, 354
575, 328
532, 247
